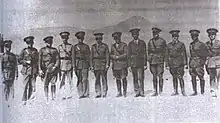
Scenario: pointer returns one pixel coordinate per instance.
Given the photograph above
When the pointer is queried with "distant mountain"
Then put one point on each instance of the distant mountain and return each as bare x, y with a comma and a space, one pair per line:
126, 25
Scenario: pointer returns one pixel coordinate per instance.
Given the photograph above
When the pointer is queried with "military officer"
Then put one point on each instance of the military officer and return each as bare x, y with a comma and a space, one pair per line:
198, 54
156, 57
49, 62
176, 59
9, 69
213, 60
29, 59
100, 61
66, 65
81, 65
137, 56
119, 52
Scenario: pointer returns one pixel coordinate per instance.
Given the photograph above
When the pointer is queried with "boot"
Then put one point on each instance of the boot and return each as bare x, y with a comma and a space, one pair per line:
155, 86
182, 86
160, 85
175, 87
118, 82
202, 86
194, 84
53, 91
46, 92
124, 87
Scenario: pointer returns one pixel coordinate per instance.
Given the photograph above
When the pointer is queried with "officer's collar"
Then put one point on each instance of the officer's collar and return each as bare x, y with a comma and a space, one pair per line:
175, 42
80, 43
99, 43
212, 41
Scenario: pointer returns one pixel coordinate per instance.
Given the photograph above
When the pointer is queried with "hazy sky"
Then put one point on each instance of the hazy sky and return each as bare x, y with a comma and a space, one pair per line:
22, 15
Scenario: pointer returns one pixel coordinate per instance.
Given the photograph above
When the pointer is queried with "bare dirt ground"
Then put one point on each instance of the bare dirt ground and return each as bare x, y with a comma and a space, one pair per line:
161, 109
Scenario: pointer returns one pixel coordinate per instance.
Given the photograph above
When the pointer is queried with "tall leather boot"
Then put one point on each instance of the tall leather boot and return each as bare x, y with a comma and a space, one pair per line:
175, 86
202, 86
194, 84
124, 87
182, 86
46, 92
160, 84
118, 82
155, 85
53, 91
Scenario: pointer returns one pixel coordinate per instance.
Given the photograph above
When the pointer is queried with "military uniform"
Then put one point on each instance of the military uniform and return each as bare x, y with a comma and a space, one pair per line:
100, 61
29, 59
81, 63
198, 54
66, 65
213, 61
9, 70
156, 57
176, 59
49, 61
137, 57
119, 52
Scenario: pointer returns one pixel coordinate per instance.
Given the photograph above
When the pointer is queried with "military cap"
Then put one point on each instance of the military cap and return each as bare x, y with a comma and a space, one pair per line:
7, 43
98, 34
116, 34
48, 38
135, 30
174, 32
29, 39
64, 34
156, 30
194, 31
211, 31
80, 34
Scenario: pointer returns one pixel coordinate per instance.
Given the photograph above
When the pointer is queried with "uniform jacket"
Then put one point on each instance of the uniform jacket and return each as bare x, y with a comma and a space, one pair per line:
9, 66
156, 51
29, 54
66, 54
49, 58
81, 56
100, 56
198, 54
137, 54
120, 50
214, 54
176, 54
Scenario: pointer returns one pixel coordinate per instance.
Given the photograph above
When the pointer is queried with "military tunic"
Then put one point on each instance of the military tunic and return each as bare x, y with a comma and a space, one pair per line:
213, 62
29, 70
49, 58
137, 57
81, 63
66, 68
156, 58
119, 66
176, 58
198, 54
156, 55
100, 59
9, 72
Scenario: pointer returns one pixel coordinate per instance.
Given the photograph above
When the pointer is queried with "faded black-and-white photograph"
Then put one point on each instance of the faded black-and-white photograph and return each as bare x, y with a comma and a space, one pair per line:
109, 61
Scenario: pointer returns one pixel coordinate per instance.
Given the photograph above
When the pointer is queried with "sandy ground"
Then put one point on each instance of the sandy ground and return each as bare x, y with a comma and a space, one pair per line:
161, 109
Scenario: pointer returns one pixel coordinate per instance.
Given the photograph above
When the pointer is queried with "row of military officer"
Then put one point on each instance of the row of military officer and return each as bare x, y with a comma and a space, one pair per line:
49, 63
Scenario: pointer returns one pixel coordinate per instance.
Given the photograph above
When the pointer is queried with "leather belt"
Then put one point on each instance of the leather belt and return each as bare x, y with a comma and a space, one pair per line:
65, 58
